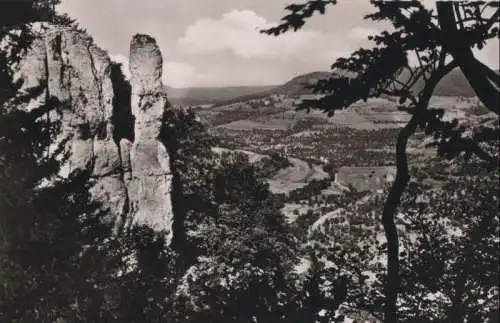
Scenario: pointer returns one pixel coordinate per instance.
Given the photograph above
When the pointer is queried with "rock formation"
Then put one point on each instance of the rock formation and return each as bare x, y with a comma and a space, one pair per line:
151, 179
112, 136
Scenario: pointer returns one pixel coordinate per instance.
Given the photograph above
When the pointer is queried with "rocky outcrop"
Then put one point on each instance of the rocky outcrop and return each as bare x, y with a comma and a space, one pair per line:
150, 176
107, 129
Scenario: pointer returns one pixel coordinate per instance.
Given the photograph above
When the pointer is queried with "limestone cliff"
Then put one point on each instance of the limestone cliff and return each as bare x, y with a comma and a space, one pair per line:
108, 125
150, 176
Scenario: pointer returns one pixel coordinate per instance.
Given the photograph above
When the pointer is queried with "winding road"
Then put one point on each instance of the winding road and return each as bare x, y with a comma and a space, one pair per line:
286, 180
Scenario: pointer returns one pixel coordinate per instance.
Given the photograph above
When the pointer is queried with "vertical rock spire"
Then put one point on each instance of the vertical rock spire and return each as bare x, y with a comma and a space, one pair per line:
146, 65
114, 138
150, 186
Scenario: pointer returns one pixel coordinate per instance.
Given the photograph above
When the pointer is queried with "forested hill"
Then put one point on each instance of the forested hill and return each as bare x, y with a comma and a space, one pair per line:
207, 95
453, 84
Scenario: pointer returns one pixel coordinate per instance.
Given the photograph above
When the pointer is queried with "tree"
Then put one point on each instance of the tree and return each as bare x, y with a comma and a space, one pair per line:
454, 255
242, 255
440, 42
56, 253
57, 258
234, 252
245, 252
449, 258
16, 33
144, 289
348, 239
191, 160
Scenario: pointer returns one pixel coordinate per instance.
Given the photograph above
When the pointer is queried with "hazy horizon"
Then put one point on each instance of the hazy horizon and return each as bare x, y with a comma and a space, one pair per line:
218, 44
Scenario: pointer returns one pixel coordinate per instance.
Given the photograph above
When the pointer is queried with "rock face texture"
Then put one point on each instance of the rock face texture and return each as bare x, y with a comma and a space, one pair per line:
149, 179
108, 126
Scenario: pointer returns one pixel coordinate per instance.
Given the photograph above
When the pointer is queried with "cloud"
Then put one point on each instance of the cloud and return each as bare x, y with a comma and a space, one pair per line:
361, 33
238, 32
175, 74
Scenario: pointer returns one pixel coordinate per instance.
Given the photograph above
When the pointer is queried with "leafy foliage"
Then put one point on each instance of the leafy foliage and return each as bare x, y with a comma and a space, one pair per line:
233, 257
298, 13
231, 224
59, 258
454, 254
376, 72
246, 256
54, 247
17, 34
269, 166
449, 257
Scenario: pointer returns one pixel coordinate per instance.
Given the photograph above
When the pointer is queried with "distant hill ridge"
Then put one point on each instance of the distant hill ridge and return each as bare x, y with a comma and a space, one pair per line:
208, 95
453, 84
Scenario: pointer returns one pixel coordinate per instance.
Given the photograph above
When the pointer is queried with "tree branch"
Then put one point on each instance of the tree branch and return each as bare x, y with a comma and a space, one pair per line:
398, 187
483, 155
491, 74
493, 19
462, 53
442, 59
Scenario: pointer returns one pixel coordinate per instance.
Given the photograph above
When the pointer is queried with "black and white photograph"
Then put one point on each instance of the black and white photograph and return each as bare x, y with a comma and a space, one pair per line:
249, 161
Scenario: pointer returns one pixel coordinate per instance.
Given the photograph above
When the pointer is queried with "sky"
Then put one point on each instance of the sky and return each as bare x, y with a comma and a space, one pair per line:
217, 42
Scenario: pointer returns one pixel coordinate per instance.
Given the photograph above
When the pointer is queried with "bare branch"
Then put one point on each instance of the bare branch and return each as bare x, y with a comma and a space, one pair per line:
442, 59
456, 7
421, 65
492, 162
493, 19
491, 74
465, 58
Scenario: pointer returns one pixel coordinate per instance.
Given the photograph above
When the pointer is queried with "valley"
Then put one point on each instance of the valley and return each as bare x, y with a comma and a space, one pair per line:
189, 166
355, 140
336, 163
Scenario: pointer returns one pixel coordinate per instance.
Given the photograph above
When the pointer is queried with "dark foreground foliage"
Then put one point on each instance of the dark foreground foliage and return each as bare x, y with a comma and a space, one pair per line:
233, 257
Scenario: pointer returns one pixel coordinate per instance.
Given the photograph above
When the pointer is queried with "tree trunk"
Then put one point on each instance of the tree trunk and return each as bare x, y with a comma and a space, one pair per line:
397, 190
398, 187
389, 212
